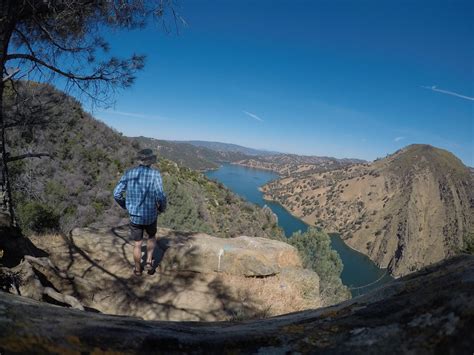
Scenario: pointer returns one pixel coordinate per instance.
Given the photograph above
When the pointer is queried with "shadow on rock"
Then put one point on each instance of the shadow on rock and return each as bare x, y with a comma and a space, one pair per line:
100, 268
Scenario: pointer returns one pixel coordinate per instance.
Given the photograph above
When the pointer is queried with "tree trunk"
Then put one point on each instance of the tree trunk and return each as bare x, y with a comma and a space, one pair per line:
6, 30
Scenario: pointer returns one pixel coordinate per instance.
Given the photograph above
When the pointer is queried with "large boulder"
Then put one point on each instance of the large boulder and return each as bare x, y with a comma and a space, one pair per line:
236, 256
255, 278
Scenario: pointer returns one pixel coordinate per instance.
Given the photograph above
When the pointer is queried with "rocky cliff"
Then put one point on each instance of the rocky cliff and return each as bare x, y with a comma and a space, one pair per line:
198, 277
406, 211
431, 311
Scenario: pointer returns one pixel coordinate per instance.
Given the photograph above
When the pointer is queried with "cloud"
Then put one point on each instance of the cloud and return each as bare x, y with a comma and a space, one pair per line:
254, 116
398, 139
433, 88
133, 114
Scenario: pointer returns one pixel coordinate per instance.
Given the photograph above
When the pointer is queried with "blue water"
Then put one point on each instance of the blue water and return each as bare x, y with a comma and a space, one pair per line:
358, 270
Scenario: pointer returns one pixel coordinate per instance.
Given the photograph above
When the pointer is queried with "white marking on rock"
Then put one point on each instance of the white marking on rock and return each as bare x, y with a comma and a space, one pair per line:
220, 255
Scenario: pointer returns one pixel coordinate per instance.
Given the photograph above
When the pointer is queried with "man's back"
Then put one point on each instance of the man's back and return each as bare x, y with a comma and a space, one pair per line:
144, 192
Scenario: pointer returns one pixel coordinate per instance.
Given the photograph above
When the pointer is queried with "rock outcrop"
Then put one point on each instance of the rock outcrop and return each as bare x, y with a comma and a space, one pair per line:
241, 256
406, 211
431, 311
199, 277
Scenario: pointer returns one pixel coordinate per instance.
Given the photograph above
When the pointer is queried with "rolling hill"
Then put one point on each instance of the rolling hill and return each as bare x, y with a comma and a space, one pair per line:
189, 155
291, 164
229, 147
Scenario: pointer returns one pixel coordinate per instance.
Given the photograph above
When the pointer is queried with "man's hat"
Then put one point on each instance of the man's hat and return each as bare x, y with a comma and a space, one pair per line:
146, 157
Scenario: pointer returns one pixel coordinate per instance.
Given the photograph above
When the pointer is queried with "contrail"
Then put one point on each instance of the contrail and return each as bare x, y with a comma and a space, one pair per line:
433, 88
253, 116
133, 114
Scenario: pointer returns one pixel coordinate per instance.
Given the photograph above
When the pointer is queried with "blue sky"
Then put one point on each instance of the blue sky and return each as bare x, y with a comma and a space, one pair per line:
337, 78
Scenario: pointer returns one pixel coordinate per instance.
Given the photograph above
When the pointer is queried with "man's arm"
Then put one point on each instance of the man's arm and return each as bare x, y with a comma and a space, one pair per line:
119, 192
160, 194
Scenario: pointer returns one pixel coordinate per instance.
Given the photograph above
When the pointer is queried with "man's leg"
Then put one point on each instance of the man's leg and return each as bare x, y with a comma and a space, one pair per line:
136, 233
150, 249
151, 243
137, 255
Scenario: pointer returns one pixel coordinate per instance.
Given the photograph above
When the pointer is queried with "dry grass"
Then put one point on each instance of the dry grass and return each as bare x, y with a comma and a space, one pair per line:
272, 295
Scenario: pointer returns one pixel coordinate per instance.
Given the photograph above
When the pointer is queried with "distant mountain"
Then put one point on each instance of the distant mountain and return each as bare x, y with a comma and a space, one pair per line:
228, 147
189, 155
408, 210
290, 164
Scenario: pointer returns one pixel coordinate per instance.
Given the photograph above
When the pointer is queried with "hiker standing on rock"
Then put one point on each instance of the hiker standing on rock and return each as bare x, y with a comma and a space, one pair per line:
144, 199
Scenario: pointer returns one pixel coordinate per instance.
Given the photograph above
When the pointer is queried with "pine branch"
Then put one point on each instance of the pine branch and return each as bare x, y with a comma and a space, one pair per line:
53, 68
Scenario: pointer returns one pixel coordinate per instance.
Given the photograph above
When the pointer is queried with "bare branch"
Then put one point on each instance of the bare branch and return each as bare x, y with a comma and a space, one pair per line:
28, 155
53, 68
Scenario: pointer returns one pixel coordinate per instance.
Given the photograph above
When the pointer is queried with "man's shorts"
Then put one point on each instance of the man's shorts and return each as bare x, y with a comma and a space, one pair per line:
136, 231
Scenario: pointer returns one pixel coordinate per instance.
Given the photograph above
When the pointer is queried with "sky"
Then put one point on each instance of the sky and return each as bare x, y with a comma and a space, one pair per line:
354, 79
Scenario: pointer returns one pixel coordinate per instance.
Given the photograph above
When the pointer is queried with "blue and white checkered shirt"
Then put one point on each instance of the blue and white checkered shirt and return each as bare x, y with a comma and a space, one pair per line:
143, 189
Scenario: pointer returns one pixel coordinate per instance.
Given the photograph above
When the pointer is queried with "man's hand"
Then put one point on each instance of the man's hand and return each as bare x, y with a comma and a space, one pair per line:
161, 206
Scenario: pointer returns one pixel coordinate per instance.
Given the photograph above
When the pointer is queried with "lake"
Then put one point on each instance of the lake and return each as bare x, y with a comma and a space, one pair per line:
358, 270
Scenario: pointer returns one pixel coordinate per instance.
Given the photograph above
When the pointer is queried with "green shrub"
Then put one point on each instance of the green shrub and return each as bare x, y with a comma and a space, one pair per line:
314, 247
39, 218
469, 243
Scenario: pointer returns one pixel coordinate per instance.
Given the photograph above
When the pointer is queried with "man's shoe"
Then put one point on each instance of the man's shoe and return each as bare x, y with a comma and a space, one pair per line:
149, 266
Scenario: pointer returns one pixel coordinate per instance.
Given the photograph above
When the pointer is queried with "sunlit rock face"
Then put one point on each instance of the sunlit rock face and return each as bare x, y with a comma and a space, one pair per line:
431, 311
198, 277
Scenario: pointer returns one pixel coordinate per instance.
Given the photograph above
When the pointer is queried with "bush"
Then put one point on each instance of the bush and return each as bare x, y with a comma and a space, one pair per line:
469, 243
39, 218
315, 249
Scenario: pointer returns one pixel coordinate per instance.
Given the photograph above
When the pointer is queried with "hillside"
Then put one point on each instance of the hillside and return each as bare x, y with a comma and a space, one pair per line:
73, 187
406, 211
188, 155
230, 148
291, 164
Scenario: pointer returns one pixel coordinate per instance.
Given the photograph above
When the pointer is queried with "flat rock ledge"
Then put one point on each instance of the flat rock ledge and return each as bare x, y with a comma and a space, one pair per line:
197, 277
431, 311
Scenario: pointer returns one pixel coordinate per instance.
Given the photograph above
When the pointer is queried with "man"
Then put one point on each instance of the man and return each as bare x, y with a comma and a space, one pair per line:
144, 199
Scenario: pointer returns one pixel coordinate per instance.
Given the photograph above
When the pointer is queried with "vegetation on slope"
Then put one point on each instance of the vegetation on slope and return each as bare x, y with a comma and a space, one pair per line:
200, 205
317, 254
468, 246
73, 188
300, 165
188, 155
230, 148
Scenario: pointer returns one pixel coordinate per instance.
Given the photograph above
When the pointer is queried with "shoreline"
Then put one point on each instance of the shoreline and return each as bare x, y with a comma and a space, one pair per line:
329, 233
256, 168
267, 198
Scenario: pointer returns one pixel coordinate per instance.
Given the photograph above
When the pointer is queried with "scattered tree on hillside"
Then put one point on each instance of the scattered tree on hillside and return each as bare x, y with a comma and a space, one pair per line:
44, 40
317, 254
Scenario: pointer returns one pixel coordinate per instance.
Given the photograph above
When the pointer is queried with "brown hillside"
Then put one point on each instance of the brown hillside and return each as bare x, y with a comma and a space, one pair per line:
405, 211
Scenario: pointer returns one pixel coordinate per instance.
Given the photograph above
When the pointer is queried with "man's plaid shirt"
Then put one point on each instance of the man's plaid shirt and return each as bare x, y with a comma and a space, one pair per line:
143, 190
